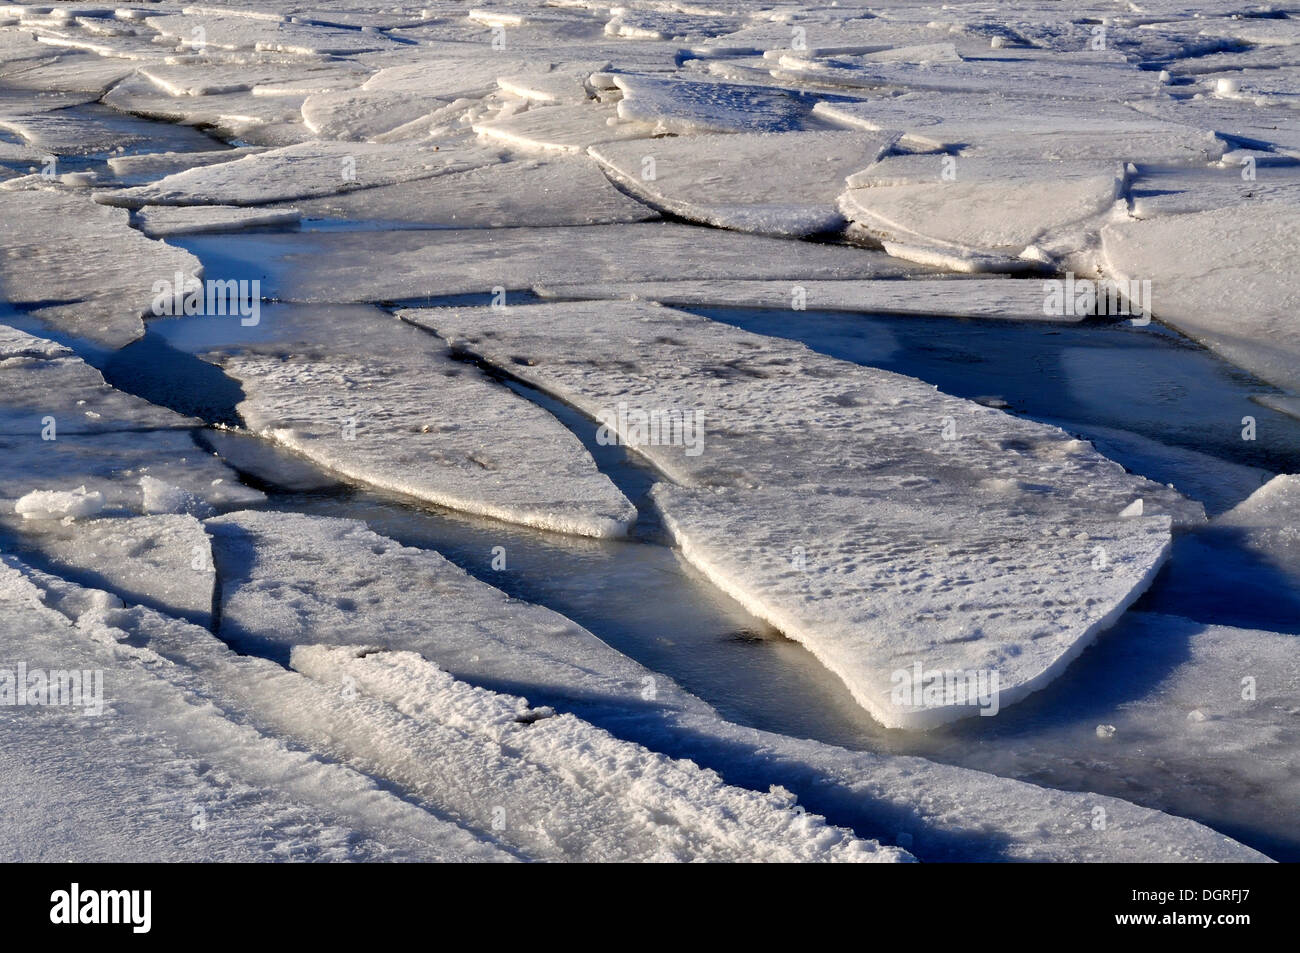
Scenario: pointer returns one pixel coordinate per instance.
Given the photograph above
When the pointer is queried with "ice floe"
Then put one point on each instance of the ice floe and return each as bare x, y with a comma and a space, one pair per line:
786, 423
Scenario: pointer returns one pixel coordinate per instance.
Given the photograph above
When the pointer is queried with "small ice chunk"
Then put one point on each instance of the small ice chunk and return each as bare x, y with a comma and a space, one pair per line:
60, 504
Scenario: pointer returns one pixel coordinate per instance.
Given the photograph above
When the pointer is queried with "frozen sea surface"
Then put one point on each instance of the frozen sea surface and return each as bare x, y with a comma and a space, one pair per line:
424, 545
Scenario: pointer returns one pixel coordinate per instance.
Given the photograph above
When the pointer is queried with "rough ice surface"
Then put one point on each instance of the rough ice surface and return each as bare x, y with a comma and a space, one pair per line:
846, 535
424, 161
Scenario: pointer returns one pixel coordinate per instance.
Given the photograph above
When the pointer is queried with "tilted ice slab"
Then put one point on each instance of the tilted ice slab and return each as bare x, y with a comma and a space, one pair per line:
778, 183
569, 129
337, 267
382, 403
81, 266
136, 169
358, 114
1222, 277
826, 498
567, 790
991, 298
203, 77
982, 225
690, 106
163, 221
166, 729
306, 170
292, 579
533, 192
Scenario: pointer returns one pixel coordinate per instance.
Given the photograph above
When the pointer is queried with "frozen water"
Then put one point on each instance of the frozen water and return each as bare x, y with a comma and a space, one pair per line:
1221, 277
350, 388
81, 267
778, 184
769, 467
164, 221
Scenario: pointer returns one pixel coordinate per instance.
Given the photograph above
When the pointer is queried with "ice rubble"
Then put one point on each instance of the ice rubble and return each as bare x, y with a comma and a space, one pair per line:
776, 184
565, 129
80, 267
305, 581
851, 521
1222, 277
381, 402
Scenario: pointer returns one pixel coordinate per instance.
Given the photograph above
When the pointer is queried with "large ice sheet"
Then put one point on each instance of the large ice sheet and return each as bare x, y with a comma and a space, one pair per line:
865, 531
1221, 277
381, 402
778, 184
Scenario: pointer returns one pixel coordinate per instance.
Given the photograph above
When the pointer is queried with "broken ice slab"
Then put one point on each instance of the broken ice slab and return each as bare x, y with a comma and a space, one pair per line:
336, 266
858, 496
162, 221
1221, 277
166, 731
234, 32
382, 403
90, 274
690, 106
291, 579
162, 561
64, 430
570, 129
1241, 179
542, 192
147, 167
89, 129
1008, 223
359, 114
989, 298
776, 184
305, 170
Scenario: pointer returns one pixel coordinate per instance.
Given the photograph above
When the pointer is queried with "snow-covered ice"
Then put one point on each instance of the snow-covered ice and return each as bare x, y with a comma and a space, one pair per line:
381, 402
470, 589
829, 471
